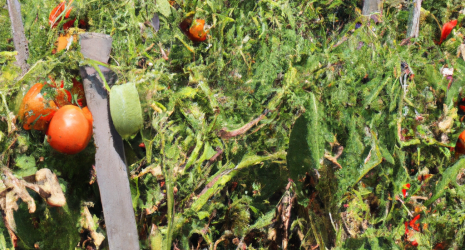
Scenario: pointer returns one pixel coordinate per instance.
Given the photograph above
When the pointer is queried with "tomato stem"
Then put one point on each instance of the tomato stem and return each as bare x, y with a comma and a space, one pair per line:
95, 65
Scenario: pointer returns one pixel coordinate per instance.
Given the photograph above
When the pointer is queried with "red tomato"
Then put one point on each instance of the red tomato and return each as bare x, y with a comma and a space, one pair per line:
69, 24
446, 29
62, 96
78, 90
70, 129
52, 18
35, 108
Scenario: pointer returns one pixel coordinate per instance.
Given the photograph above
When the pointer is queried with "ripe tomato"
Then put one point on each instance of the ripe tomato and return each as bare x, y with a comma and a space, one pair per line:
197, 30
194, 29
78, 90
62, 96
70, 129
89, 118
460, 145
35, 108
52, 18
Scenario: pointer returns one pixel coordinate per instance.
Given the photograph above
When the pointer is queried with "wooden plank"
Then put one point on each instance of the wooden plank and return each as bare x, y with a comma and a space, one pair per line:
110, 162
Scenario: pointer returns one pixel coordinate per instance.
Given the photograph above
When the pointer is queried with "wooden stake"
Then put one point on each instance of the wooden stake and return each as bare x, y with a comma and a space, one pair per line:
110, 162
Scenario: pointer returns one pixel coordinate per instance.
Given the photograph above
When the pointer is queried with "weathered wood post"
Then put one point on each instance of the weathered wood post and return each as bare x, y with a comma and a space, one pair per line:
110, 162
19, 39
414, 19
371, 7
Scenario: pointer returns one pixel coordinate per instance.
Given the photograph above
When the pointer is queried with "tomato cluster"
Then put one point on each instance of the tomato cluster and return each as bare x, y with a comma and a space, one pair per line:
69, 35
48, 107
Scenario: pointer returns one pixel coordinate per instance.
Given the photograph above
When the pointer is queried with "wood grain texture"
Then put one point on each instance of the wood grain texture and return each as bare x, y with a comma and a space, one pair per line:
19, 39
371, 7
110, 162
413, 29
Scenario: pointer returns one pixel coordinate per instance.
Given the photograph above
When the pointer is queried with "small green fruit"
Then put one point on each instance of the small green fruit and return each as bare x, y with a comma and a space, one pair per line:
125, 109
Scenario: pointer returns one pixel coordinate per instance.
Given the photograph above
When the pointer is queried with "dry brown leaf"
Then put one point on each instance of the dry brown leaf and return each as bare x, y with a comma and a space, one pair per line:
46, 185
88, 223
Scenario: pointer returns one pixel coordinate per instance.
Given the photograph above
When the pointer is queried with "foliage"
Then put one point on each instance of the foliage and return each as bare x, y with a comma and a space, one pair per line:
288, 127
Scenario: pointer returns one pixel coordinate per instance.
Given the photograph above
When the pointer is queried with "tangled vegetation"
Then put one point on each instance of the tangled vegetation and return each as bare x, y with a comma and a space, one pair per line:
295, 124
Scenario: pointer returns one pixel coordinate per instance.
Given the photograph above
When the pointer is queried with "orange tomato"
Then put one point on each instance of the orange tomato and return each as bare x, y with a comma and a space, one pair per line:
194, 29
35, 111
52, 18
62, 42
70, 129
197, 30
89, 118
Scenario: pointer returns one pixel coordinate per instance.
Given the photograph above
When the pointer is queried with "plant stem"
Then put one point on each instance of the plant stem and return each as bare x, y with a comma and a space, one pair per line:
8, 116
169, 196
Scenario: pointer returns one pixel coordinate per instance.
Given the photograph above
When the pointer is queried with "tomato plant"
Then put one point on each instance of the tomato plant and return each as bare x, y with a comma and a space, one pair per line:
36, 111
70, 129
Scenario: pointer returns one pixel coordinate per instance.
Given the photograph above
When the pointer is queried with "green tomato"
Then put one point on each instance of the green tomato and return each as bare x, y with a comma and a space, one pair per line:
125, 109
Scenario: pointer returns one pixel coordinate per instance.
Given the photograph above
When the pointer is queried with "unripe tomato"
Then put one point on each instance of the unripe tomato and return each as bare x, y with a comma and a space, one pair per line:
35, 107
70, 129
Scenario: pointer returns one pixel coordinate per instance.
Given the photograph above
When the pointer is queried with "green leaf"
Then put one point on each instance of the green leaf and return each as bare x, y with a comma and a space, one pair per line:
298, 155
316, 130
202, 215
373, 159
387, 155
447, 177
187, 92
306, 144
264, 220
7, 56
156, 239
164, 7
376, 92
27, 164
